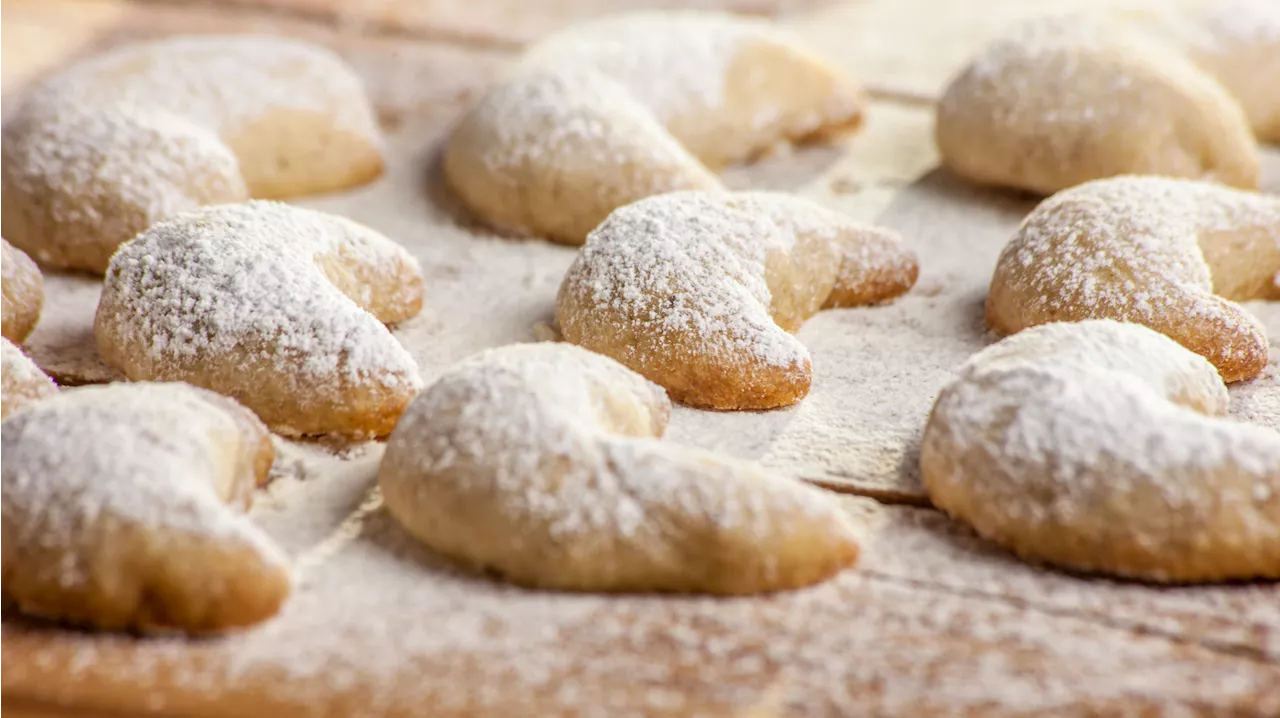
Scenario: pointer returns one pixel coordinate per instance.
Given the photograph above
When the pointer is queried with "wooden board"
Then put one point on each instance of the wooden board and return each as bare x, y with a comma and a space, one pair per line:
933, 620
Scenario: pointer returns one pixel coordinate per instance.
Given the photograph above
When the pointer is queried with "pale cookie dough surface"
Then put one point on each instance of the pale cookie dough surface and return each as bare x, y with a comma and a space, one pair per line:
21, 381
609, 112
543, 462
116, 517
23, 288
1174, 255
1062, 100
700, 291
1099, 446
103, 150
279, 307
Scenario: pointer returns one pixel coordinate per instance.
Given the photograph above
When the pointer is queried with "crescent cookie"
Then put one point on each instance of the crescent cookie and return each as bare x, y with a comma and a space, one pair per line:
1099, 446
1235, 41
21, 381
614, 110
700, 291
1064, 100
121, 510
279, 307
23, 293
1174, 255
116, 144
542, 462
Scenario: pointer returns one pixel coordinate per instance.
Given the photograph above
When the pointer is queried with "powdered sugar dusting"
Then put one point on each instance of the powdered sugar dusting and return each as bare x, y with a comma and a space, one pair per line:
1074, 424
1133, 248
674, 63
224, 83
150, 455
1051, 45
114, 172
23, 382
704, 260
538, 116
250, 281
553, 438
722, 275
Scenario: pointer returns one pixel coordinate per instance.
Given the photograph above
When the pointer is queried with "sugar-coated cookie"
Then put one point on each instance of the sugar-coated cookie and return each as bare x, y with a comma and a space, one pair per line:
23, 290
700, 291
1174, 255
614, 110
22, 383
542, 462
124, 140
1101, 446
279, 307
122, 510
1064, 100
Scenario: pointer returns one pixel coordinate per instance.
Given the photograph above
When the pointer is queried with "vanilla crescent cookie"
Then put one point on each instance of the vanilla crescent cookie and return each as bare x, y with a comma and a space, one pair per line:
542, 462
700, 291
23, 293
1101, 446
610, 111
115, 144
1063, 100
122, 510
1174, 255
279, 307
21, 381
1235, 41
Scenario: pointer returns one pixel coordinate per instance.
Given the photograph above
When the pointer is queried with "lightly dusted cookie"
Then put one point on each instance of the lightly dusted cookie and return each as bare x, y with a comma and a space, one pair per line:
1235, 41
610, 111
22, 383
122, 510
23, 293
279, 307
1064, 100
1100, 446
117, 143
1174, 255
700, 291
543, 463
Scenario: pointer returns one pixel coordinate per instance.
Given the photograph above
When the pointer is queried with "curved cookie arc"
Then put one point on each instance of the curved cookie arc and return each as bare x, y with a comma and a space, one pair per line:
699, 292
1064, 100
1173, 255
22, 383
541, 462
608, 112
281, 308
200, 120
116, 517
1101, 447
23, 293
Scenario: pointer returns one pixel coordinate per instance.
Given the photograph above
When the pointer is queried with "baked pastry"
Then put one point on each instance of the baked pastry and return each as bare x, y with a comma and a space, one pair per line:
542, 462
23, 290
279, 307
1174, 255
700, 291
116, 144
611, 111
121, 510
1064, 100
1100, 446
22, 383
1235, 41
